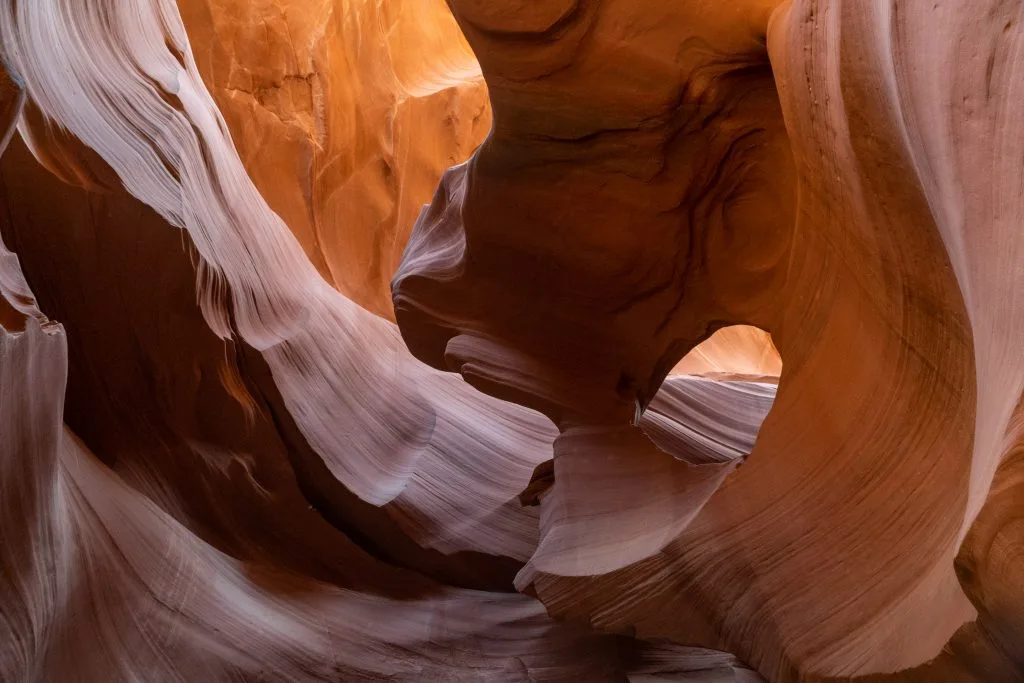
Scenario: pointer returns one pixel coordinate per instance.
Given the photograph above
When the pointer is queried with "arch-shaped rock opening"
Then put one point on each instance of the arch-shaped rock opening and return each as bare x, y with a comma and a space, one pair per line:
709, 410
736, 350
703, 421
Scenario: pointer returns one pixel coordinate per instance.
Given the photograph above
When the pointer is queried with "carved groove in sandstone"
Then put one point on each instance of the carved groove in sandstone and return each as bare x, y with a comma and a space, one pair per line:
222, 462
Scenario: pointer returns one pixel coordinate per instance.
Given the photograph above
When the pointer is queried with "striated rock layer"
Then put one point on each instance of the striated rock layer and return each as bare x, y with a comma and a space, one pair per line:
731, 291
759, 166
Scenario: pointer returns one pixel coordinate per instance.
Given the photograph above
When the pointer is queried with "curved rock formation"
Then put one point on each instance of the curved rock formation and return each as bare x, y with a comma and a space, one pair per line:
731, 291
865, 284
346, 113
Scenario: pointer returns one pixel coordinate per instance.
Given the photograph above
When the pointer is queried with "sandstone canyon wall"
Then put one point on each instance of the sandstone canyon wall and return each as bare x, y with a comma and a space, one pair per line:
563, 340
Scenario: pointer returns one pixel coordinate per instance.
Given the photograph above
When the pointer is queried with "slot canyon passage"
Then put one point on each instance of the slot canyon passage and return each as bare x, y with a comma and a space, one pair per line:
511, 340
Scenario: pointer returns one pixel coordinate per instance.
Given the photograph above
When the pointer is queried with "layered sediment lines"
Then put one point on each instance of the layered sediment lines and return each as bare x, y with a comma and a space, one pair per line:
731, 291
769, 166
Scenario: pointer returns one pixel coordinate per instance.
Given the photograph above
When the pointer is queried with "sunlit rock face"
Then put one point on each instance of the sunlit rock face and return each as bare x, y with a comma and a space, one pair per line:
705, 368
345, 113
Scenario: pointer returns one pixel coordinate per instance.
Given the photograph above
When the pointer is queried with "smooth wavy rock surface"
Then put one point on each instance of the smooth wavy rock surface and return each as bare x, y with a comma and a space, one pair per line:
705, 365
813, 169
345, 112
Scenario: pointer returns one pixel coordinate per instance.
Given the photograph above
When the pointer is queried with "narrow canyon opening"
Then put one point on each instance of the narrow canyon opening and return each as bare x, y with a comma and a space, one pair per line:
711, 406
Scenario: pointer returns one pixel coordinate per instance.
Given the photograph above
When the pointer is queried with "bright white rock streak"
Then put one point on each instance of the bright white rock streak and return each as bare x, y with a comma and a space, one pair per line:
120, 76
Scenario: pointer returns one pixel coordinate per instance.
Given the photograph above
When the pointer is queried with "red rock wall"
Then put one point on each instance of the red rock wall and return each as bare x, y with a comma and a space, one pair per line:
731, 291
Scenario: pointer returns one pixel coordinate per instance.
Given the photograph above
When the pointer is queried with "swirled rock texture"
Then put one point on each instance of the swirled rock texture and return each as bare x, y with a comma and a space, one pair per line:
705, 365
821, 170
